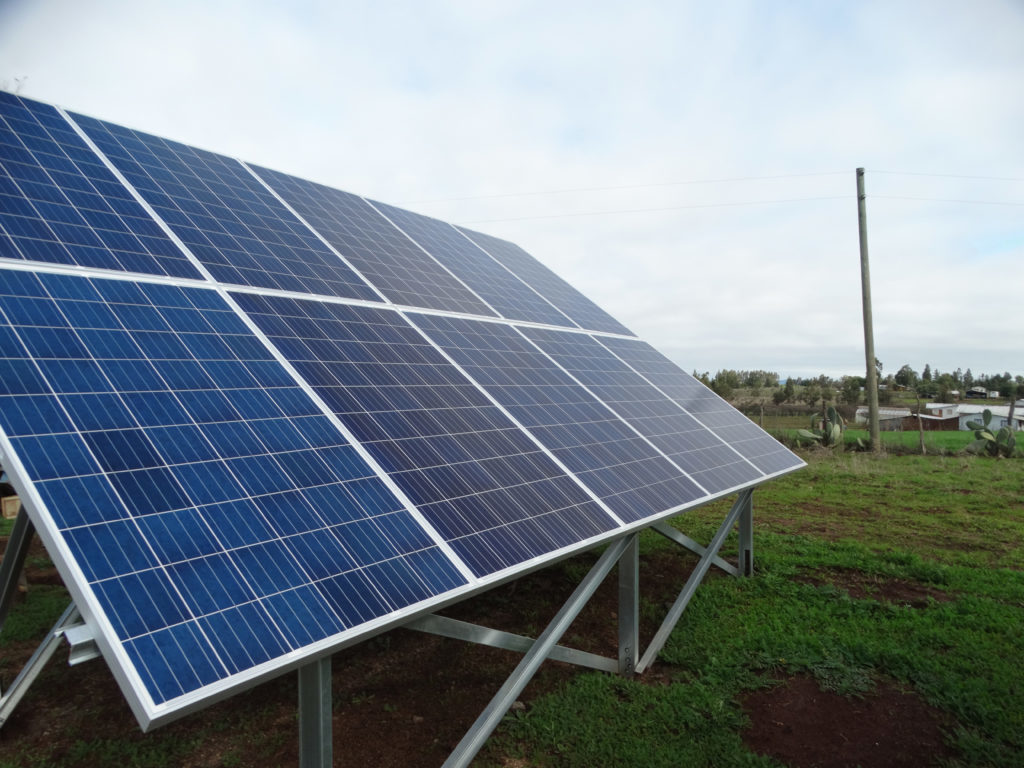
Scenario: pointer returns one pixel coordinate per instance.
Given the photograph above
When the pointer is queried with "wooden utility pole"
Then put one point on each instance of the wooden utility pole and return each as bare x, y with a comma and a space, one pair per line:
869, 334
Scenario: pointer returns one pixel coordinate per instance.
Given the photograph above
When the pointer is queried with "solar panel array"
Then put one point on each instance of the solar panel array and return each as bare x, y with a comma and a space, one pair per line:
254, 418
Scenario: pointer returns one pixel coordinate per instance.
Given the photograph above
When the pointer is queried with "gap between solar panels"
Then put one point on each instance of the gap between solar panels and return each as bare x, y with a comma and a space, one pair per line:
255, 420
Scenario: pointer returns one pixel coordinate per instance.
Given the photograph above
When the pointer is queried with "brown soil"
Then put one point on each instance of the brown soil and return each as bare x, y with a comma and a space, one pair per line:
862, 586
406, 699
804, 727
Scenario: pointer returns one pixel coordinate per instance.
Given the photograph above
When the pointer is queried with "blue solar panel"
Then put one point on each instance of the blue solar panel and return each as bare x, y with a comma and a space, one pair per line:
220, 520
239, 231
578, 307
764, 451
385, 256
483, 484
706, 457
230, 482
620, 466
60, 204
506, 293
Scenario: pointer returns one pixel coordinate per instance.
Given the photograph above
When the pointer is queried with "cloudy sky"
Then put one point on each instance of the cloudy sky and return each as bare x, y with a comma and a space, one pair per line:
688, 165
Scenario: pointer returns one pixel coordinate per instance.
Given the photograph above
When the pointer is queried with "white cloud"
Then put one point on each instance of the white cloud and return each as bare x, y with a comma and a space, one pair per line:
418, 101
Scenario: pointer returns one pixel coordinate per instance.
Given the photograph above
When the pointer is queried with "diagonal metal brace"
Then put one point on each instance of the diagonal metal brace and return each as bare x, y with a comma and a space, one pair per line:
530, 663
685, 541
34, 666
696, 577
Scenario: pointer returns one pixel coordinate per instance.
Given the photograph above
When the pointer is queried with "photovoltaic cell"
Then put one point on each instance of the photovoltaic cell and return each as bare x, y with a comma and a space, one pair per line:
582, 310
704, 456
506, 293
374, 246
626, 472
764, 451
479, 481
60, 204
220, 520
240, 232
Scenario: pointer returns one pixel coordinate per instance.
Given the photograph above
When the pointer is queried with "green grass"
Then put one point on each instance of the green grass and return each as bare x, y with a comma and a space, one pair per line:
954, 524
934, 442
898, 442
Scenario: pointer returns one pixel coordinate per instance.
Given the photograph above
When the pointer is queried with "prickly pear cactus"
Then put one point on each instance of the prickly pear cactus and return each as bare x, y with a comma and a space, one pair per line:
1002, 443
831, 433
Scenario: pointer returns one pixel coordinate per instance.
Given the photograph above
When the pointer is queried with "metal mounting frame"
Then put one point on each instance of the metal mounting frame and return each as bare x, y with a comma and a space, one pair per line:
315, 692
68, 627
625, 553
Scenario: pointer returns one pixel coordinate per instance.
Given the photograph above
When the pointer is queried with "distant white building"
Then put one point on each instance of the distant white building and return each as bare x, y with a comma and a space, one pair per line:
969, 412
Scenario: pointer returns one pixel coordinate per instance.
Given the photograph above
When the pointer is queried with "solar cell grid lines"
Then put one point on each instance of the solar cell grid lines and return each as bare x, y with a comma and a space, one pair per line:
218, 517
58, 203
623, 469
584, 312
502, 290
490, 491
383, 254
764, 451
705, 457
236, 227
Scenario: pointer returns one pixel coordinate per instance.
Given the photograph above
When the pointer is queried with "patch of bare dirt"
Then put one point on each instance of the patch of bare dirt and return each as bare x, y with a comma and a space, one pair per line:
804, 727
867, 586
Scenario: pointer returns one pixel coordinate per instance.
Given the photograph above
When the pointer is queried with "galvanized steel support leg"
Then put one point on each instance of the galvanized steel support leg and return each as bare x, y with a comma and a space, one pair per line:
13, 561
524, 672
19, 687
629, 606
696, 577
315, 736
746, 525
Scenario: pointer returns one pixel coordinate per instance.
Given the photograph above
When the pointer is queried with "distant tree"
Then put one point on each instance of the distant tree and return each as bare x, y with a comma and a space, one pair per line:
779, 396
926, 374
811, 393
827, 387
906, 377
850, 392
944, 385
968, 379
722, 385
756, 379
958, 377
728, 377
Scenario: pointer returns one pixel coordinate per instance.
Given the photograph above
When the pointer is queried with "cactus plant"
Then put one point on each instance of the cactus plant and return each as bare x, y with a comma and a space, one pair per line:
831, 433
1001, 443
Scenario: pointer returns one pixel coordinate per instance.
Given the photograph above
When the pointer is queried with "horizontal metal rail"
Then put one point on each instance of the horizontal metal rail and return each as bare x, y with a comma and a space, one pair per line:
496, 638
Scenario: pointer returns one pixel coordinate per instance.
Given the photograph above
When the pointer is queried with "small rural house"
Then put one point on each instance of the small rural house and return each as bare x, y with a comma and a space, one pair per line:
889, 419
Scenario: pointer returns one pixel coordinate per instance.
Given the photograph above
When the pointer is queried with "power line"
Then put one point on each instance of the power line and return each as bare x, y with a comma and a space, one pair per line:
946, 200
950, 176
667, 208
624, 186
